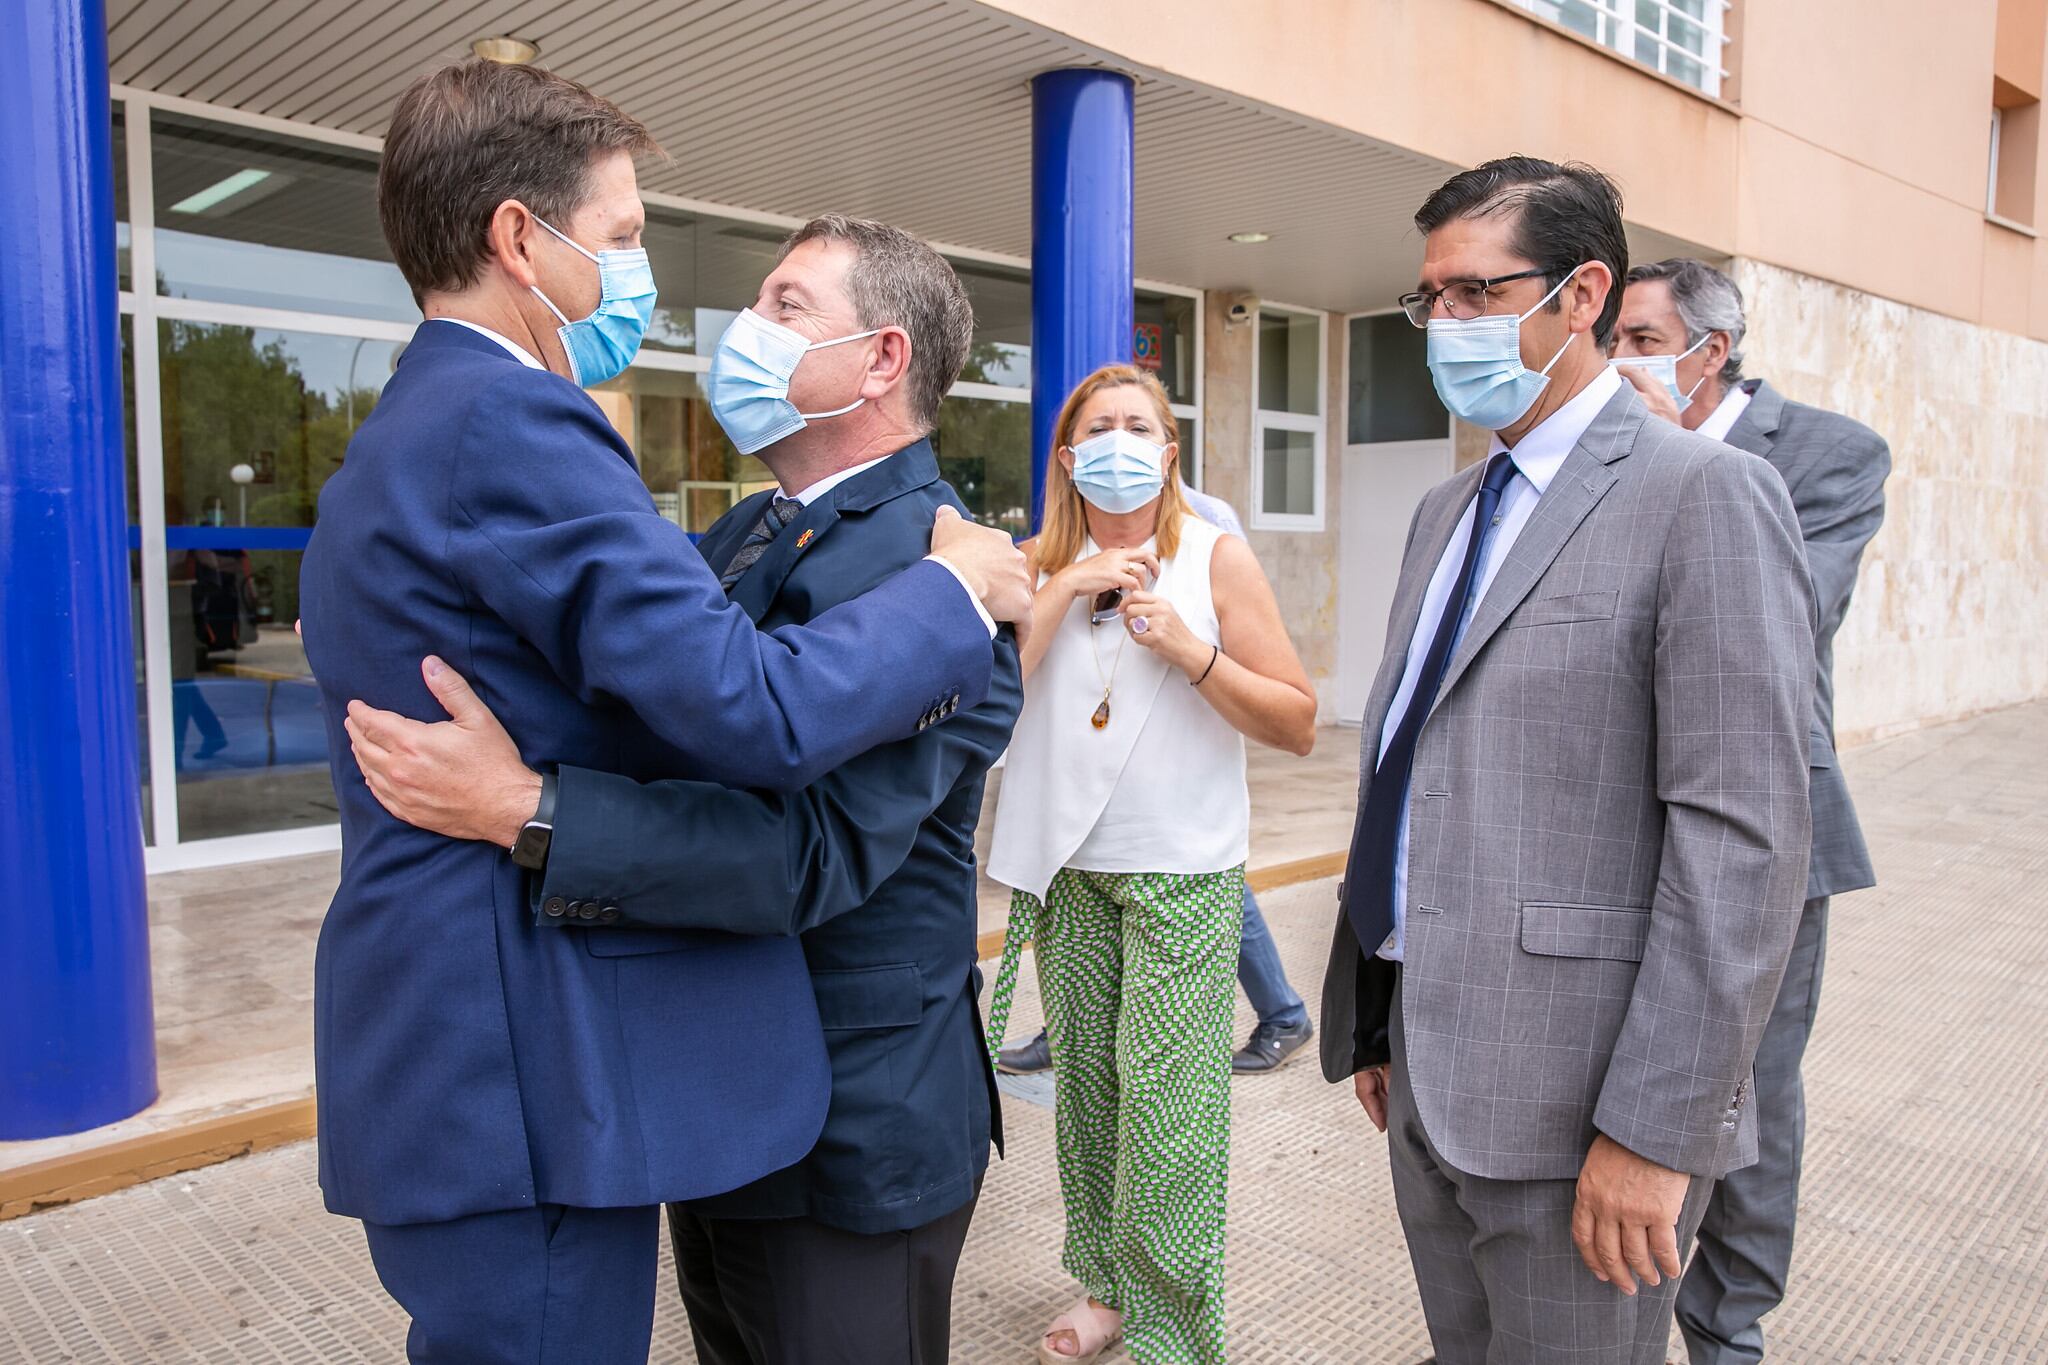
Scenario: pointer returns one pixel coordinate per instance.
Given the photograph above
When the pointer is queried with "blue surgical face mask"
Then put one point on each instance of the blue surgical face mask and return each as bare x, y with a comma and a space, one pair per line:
1119, 471
1665, 368
1476, 364
749, 381
601, 346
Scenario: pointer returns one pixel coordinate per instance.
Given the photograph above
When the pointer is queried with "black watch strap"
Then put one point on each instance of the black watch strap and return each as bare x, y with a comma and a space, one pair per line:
531, 850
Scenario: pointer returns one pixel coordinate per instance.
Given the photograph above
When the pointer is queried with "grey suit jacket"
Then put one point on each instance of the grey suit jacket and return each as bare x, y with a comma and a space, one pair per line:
1835, 469
1608, 828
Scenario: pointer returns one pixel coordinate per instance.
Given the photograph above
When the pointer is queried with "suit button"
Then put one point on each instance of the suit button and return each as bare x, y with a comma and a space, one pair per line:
588, 910
608, 914
555, 907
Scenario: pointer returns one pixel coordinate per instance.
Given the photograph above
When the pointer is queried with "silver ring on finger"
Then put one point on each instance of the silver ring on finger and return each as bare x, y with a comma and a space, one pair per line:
1139, 625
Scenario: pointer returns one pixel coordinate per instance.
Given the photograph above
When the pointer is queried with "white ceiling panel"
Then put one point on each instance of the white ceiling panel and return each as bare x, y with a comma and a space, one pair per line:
914, 111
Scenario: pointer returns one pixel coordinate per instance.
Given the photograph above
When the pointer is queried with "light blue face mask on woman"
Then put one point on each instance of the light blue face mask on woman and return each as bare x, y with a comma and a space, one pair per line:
602, 345
749, 381
1119, 472
1476, 365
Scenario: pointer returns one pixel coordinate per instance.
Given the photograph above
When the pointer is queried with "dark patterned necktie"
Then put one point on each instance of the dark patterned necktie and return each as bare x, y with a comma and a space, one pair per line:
776, 515
1375, 839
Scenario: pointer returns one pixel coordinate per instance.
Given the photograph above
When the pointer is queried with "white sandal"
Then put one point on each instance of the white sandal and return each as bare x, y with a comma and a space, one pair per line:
1071, 1321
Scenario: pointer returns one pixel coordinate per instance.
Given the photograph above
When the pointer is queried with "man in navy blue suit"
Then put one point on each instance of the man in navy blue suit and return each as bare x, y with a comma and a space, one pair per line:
509, 1083
847, 1255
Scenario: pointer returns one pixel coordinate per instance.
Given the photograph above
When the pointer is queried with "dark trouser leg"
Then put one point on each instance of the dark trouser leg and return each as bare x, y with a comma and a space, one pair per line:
1500, 1280
1259, 972
550, 1285
1745, 1250
793, 1291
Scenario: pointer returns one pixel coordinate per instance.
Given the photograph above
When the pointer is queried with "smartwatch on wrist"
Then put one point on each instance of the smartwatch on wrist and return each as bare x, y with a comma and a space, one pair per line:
530, 851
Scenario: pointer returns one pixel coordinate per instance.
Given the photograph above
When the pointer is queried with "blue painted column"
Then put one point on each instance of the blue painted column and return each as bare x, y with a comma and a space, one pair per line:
77, 1048
1081, 214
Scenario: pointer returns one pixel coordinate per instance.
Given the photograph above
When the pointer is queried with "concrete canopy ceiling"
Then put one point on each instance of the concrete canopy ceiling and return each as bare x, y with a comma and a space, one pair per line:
912, 111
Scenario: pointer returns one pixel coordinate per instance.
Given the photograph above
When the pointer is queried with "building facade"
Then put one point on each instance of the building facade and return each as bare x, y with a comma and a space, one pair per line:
1879, 208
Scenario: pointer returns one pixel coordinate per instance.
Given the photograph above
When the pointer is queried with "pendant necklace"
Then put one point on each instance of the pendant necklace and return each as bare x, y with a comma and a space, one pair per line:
1100, 720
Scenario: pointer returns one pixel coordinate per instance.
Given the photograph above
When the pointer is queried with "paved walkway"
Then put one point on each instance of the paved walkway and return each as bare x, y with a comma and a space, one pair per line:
1925, 1225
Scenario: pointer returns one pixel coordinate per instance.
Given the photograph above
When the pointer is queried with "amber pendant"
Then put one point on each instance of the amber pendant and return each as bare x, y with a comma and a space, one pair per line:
1100, 720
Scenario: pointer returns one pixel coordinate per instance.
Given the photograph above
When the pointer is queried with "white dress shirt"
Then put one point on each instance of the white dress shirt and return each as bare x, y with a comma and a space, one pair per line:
519, 353
1538, 457
1724, 416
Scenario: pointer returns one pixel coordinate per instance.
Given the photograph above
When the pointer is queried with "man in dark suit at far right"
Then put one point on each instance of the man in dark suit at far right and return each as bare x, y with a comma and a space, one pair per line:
1835, 468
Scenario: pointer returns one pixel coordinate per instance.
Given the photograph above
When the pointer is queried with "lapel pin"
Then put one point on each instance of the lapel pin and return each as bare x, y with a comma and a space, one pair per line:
805, 539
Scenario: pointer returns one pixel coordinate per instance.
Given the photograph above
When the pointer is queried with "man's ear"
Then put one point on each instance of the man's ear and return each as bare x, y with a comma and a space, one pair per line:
512, 242
1589, 291
890, 367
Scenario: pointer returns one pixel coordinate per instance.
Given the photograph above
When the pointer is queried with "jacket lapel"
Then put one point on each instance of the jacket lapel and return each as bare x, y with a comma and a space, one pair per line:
1756, 430
1575, 490
755, 592
908, 469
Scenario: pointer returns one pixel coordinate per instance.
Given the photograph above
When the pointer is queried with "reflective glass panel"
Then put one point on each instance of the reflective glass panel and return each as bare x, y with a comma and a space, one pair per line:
1290, 362
1163, 341
250, 217
685, 459
122, 236
1001, 296
1290, 472
984, 450
1391, 397
254, 424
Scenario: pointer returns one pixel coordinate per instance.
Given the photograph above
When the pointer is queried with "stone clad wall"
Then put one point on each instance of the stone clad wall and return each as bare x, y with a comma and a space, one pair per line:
1950, 616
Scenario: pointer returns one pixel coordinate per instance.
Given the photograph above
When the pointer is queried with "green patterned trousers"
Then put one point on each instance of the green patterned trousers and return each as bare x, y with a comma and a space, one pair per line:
1138, 972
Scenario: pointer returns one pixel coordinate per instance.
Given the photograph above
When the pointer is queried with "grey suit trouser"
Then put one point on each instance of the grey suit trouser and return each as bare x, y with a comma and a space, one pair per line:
1745, 1247
1500, 1280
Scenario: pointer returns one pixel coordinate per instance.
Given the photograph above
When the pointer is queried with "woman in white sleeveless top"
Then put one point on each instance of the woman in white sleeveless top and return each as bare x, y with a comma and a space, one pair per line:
1156, 649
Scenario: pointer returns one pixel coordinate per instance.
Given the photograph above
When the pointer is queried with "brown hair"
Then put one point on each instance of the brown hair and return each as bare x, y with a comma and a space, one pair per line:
899, 281
1066, 522
468, 137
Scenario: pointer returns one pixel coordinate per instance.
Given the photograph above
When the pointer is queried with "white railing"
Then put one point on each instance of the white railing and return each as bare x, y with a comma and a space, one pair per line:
1684, 39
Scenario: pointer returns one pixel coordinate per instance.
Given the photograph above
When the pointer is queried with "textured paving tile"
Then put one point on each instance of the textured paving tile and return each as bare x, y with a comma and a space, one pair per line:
1924, 1232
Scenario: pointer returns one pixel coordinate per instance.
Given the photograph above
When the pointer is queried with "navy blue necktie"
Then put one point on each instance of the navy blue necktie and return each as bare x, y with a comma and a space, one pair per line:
1369, 872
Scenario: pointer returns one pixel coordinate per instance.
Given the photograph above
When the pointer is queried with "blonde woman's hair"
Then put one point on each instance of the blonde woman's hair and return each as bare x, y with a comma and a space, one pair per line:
1065, 529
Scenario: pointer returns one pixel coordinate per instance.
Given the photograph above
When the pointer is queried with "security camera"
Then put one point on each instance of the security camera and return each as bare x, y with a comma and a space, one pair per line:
1240, 309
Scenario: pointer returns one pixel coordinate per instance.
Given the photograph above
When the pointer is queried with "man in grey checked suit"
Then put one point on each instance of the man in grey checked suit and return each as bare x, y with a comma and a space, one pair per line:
1583, 828
1835, 469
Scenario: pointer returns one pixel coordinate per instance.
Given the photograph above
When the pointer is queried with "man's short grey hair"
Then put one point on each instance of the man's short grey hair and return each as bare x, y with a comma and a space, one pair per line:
1707, 301
899, 281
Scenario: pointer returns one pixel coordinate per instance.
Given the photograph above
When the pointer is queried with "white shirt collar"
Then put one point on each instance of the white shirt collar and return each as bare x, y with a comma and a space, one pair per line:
519, 353
807, 496
1726, 413
1542, 450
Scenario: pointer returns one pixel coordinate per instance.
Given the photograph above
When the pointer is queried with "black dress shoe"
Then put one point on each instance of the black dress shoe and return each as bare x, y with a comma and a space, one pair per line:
1270, 1046
1028, 1058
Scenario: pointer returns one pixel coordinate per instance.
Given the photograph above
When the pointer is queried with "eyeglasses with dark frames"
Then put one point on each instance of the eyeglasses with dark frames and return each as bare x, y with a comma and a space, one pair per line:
1463, 299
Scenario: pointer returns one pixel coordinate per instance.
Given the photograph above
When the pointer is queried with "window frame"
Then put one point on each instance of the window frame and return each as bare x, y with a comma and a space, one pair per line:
1316, 426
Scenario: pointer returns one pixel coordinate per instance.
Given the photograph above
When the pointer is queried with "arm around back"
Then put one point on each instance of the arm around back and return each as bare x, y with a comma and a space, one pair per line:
692, 855
554, 532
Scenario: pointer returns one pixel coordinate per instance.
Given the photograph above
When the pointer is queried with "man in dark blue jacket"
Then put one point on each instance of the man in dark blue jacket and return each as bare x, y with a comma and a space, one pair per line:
507, 1090
847, 1255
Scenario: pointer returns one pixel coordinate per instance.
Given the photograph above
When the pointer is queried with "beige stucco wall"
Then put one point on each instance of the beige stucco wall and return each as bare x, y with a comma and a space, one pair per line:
1953, 598
1301, 564
1853, 144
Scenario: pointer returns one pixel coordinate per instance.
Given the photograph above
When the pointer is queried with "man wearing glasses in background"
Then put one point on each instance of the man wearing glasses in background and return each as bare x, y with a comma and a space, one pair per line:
1582, 833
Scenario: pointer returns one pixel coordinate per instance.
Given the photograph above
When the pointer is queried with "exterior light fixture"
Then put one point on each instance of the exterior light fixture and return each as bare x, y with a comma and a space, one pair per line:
1250, 238
510, 51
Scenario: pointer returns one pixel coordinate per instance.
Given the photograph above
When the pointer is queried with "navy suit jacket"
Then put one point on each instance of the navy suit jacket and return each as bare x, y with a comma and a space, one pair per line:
873, 865
472, 1054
